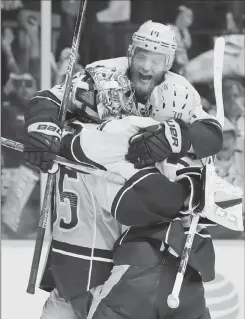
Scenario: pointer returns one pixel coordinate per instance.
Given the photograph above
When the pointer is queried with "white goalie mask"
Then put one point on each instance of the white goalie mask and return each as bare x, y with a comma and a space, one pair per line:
115, 94
155, 37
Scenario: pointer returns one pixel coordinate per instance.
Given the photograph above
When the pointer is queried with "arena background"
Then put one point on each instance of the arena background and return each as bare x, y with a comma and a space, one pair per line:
35, 41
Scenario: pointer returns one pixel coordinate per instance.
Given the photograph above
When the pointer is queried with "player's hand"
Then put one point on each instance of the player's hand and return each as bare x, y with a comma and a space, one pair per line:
153, 144
42, 144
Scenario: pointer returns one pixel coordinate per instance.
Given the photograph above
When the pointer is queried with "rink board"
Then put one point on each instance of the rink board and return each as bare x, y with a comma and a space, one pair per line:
225, 295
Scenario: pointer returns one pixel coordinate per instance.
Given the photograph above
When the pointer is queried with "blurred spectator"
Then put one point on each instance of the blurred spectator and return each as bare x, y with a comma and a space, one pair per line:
231, 26
18, 182
200, 69
19, 89
93, 34
230, 161
16, 95
20, 41
112, 28
234, 99
62, 64
17, 186
227, 162
8, 62
69, 10
234, 108
117, 11
7, 40
27, 49
11, 4
183, 21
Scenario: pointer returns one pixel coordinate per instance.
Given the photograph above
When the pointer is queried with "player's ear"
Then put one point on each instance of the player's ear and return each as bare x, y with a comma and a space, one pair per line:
130, 47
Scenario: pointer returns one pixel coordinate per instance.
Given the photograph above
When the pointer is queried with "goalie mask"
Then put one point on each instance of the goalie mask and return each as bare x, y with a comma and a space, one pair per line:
112, 94
115, 95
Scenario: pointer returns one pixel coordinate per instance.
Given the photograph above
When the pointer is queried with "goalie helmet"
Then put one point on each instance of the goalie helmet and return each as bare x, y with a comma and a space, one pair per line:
155, 37
115, 93
110, 89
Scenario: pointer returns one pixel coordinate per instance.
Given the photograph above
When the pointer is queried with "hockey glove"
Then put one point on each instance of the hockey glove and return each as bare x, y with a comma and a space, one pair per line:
153, 144
205, 189
42, 144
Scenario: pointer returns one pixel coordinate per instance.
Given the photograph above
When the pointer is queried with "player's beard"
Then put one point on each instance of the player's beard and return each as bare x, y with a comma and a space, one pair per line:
144, 84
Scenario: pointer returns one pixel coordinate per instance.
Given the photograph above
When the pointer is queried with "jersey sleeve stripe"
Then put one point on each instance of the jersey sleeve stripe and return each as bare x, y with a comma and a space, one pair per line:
211, 121
62, 252
128, 185
80, 156
77, 251
47, 95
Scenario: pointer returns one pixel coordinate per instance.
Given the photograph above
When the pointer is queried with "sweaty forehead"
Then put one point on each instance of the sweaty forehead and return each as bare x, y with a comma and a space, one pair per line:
149, 54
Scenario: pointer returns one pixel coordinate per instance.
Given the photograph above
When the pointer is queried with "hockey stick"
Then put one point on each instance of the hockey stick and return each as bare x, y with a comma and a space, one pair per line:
51, 177
82, 168
219, 46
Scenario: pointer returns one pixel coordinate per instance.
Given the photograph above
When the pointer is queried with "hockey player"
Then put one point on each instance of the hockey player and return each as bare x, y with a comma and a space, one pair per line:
146, 255
150, 57
149, 60
79, 242
147, 71
143, 255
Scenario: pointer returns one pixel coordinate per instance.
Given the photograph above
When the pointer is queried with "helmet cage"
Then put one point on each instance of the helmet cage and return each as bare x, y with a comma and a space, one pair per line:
115, 93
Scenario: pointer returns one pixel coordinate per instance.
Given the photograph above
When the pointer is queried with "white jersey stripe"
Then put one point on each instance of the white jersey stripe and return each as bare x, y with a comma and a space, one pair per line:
63, 252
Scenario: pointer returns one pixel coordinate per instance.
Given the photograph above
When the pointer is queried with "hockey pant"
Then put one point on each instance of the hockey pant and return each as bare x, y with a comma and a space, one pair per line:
141, 291
56, 307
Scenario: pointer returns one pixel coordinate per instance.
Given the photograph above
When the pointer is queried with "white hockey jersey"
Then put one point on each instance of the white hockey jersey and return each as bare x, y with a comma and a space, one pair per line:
84, 230
159, 112
83, 235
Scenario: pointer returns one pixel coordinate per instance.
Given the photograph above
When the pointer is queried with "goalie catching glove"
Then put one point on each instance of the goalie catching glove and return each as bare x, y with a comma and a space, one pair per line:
42, 144
205, 197
153, 144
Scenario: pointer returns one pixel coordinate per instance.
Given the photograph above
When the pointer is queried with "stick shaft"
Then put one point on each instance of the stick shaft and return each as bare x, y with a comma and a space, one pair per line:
185, 255
219, 47
82, 168
51, 178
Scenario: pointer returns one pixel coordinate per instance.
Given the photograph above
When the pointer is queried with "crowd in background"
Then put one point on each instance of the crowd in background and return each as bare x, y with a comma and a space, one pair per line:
20, 73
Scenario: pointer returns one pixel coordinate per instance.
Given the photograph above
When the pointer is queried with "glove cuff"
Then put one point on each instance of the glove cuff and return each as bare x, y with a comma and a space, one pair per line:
46, 128
177, 134
173, 135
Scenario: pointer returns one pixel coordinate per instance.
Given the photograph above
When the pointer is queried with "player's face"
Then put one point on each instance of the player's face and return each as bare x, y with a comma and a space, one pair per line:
25, 93
147, 71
